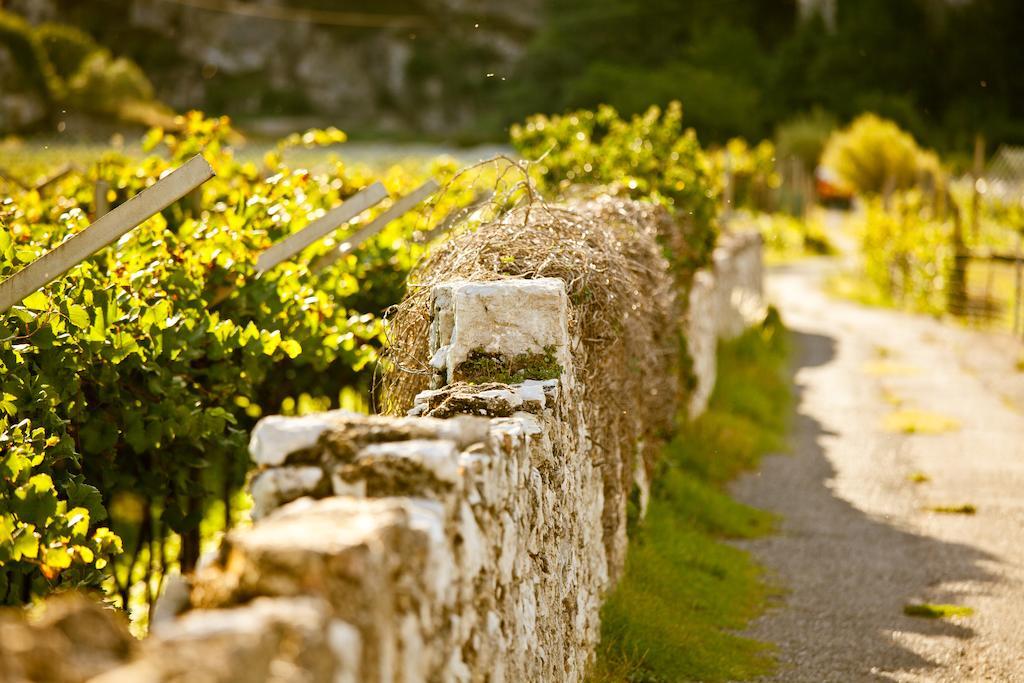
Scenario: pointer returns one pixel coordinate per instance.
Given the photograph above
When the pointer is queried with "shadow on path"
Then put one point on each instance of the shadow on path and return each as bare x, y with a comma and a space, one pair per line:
846, 574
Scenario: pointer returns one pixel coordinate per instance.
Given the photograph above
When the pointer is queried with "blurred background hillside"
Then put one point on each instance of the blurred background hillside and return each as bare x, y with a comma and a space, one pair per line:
462, 70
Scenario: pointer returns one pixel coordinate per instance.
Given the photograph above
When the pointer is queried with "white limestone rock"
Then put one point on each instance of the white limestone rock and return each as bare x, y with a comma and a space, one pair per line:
276, 437
488, 316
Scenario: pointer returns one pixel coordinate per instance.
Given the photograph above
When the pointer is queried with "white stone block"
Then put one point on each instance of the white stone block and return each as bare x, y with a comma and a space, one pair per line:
277, 436
505, 317
440, 458
274, 487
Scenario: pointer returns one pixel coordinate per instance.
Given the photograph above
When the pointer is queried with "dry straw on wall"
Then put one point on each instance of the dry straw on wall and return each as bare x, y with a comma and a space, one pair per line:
624, 321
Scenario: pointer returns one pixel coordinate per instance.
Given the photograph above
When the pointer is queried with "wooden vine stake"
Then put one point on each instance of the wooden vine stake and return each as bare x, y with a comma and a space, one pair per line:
329, 222
401, 206
104, 231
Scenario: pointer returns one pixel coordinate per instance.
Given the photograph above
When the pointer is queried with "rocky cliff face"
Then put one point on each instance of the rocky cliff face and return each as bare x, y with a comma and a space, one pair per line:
412, 65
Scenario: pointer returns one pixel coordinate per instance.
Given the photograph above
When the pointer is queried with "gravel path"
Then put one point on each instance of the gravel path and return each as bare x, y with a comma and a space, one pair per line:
858, 539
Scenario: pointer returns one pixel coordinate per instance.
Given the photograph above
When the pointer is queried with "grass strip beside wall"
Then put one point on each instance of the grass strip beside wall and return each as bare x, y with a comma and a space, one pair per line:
686, 592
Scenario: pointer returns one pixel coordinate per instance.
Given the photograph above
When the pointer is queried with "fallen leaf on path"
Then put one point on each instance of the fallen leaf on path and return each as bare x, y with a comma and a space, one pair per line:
965, 509
881, 368
930, 611
914, 421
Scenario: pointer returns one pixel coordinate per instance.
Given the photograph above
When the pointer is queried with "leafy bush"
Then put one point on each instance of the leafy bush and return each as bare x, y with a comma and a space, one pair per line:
873, 155
751, 170
29, 58
804, 136
66, 47
128, 387
907, 251
787, 237
104, 84
648, 155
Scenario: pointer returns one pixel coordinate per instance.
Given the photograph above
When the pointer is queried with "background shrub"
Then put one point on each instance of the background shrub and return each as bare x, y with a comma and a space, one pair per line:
907, 251
874, 155
804, 136
32, 65
66, 47
646, 155
104, 84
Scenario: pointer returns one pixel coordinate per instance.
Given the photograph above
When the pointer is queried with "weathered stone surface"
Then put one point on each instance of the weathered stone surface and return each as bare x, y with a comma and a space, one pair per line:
488, 317
701, 334
265, 640
724, 302
273, 488
491, 400
368, 559
400, 468
452, 563
276, 437
739, 283
279, 440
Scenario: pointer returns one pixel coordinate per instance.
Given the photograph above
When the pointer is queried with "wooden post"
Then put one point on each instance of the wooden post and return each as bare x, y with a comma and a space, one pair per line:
104, 231
1018, 296
957, 293
979, 172
100, 203
728, 190
401, 206
888, 188
329, 222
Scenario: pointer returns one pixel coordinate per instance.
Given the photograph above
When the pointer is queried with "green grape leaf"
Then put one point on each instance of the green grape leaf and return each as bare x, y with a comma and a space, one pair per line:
26, 544
56, 558
88, 497
6, 529
291, 347
79, 316
36, 301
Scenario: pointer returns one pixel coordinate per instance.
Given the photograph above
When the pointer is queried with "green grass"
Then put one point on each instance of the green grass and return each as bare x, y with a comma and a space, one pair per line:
686, 592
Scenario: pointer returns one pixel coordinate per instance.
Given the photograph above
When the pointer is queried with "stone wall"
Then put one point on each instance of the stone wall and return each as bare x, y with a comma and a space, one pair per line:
461, 543
724, 301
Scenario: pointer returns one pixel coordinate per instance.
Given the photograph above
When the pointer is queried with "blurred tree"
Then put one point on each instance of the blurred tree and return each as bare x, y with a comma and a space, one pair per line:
942, 70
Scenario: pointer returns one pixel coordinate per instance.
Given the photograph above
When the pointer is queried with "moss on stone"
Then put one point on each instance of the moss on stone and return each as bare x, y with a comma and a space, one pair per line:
481, 367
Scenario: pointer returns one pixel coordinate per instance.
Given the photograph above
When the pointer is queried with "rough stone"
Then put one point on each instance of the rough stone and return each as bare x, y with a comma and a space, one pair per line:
488, 317
273, 488
72, 640
738, 283
724, 301
277, 436
279, 639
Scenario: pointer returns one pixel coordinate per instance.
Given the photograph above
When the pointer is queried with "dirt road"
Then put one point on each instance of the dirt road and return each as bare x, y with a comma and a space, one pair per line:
860, 535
